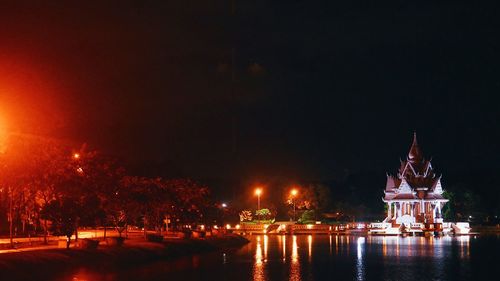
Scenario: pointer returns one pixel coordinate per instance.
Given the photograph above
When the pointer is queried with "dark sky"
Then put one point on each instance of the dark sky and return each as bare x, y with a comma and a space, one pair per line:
320, 87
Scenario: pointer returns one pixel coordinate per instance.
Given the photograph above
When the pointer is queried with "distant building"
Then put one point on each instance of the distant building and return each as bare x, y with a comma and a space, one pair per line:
414, 195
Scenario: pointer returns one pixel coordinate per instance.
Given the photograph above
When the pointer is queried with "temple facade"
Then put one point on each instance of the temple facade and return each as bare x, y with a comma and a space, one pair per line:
414, 195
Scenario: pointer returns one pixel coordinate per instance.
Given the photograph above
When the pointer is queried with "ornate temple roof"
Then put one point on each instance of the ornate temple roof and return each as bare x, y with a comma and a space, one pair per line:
414, 174
415, 154
392, 183
417, 171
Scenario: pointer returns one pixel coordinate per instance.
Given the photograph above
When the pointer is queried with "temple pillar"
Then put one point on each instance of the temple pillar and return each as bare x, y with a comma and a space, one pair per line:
439, 210
399, 209
411, 209
389, 210
395, 210
434, 207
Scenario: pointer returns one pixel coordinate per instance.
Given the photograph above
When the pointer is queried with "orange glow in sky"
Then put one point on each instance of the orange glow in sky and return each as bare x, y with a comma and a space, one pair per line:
29, 102
3, 134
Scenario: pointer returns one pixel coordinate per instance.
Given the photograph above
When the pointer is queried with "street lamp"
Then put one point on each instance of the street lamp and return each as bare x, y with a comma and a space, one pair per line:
76, 156
258, 192
293, 193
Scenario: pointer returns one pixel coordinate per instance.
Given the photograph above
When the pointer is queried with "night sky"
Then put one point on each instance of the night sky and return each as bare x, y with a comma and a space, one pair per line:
320, 88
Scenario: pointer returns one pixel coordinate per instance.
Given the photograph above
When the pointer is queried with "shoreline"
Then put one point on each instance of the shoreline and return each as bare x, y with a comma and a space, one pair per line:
43, 264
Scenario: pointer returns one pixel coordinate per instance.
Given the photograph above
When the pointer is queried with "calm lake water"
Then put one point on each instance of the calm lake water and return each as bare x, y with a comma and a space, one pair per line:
305, 257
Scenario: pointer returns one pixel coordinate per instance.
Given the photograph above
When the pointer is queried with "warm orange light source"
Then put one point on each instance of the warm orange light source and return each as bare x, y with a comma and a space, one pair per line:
294, 192
258, 191
76, 155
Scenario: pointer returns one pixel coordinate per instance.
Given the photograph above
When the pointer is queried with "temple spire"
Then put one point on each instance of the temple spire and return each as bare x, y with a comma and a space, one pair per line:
415, 154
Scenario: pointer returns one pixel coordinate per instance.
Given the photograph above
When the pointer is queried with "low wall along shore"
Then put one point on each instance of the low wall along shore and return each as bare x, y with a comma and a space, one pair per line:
355, 228
46, 263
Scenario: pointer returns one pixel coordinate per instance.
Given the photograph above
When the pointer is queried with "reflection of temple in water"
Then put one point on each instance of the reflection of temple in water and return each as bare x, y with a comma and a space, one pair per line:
296, 257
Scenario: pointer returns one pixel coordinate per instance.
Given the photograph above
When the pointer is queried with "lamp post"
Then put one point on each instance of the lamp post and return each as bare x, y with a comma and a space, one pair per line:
76, 157
293, 193
11, 223
225, 211
258, 192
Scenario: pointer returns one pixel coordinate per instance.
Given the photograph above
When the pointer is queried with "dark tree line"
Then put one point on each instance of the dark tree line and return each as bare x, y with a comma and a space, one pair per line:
50, 188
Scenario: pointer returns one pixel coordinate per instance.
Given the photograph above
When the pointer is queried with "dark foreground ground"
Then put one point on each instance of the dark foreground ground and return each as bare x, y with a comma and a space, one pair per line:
44, 264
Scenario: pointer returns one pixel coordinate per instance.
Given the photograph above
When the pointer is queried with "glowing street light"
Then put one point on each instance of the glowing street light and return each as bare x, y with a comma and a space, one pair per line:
293, 193
258, 192
224, 205
76, 156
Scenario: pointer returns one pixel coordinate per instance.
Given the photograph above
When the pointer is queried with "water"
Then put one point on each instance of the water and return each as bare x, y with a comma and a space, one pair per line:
305, 257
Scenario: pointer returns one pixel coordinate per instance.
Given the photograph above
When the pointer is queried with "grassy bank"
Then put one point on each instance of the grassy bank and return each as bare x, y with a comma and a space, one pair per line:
39, 265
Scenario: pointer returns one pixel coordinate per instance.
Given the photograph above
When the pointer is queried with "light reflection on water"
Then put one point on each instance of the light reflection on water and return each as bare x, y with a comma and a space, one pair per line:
295, 266
359, 262
309, 246
283, 246
330, 244
301, 252
323, 257
258, 272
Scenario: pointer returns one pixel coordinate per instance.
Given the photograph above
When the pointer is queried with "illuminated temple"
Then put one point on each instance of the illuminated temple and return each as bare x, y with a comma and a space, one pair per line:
414, 195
